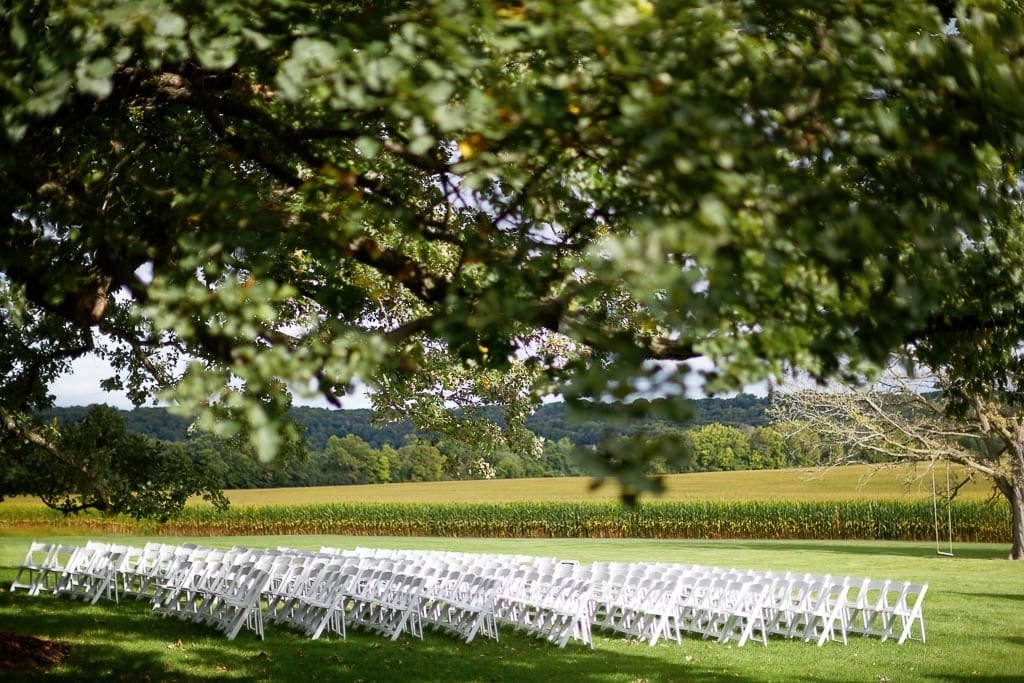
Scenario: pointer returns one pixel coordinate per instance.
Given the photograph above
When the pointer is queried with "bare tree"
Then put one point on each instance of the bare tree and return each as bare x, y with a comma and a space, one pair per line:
899, 420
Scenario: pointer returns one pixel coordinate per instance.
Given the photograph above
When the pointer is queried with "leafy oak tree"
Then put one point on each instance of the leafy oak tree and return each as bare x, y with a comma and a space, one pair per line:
93, 464
357, 461
720, 447
478, 202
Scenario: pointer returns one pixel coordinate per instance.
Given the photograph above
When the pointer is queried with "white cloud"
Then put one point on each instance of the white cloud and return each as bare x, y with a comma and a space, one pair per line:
81, 386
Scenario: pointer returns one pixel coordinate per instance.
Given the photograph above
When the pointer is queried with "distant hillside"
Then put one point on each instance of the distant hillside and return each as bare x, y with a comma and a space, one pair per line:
154, 422
550, 421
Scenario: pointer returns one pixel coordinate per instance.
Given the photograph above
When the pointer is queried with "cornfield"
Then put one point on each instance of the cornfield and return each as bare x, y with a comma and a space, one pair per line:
973, 521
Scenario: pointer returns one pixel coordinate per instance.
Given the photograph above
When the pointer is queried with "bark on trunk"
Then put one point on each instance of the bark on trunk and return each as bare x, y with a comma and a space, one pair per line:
1012, 486
1016, 498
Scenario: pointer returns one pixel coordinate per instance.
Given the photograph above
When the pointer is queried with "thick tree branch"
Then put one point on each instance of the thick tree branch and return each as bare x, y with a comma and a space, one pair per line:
10, 423
414, 276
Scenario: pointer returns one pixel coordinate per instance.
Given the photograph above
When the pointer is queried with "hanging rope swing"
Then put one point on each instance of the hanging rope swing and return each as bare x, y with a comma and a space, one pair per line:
949, 512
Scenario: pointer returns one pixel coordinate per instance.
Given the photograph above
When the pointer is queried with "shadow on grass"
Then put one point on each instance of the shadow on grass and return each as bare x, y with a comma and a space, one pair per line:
116, 643
997, 597
891, 548
128, 643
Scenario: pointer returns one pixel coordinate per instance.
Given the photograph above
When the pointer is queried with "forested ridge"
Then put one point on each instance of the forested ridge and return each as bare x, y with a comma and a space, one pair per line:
550, 421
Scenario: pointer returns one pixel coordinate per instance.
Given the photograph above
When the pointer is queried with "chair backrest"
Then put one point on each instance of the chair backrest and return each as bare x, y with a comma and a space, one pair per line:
37, 553
32, 574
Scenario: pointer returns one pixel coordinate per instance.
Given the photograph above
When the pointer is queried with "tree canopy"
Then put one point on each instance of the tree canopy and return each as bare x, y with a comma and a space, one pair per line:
487, 202
92, 464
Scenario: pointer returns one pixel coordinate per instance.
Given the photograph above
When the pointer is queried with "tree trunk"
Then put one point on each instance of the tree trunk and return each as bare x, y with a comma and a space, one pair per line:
1017, 553
1014, 492
1012, 486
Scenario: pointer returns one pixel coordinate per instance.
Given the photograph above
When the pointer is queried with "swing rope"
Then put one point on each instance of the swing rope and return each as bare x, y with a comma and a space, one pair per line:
949, 512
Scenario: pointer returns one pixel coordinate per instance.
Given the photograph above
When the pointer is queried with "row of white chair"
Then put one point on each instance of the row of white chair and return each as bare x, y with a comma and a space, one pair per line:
652, 601
221, 588
88, 572
398, 591
204, 585
468, 594
391, 592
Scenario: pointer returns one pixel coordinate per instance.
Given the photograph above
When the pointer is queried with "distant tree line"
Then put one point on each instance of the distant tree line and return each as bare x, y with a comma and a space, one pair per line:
552, 421
347, 447
349, 459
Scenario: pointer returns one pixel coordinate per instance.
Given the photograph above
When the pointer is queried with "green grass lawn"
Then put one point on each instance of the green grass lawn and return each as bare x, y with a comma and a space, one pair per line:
974, 614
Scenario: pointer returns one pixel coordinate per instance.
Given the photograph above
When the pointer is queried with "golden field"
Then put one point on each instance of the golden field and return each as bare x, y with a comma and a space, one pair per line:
855, 482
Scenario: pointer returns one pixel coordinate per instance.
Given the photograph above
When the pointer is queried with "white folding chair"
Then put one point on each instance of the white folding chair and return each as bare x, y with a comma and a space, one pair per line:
564, 612
440, 587
507, 603
748, 614
661, 610
220, 577
290, 584
171, 592
389, 603
827, 614
34, 572
467, 607
713, 607
557, 610
155, 566
192, 588
790, 608
136, 564
909, 611
372, 606
529, 598
320, 604
693, 603
102, 577
76, 580
239, 603
874, 613
647, 611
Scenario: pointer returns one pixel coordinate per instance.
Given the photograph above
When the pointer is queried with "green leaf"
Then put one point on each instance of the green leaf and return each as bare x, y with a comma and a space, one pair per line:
368, 147
218, 53
95, 77
19, 37
169, 25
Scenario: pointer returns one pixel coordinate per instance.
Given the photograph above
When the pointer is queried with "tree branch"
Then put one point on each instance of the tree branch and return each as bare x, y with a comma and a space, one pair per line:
10, 423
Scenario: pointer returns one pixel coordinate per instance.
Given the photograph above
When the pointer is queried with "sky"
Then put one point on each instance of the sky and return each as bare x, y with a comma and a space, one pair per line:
81, 387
